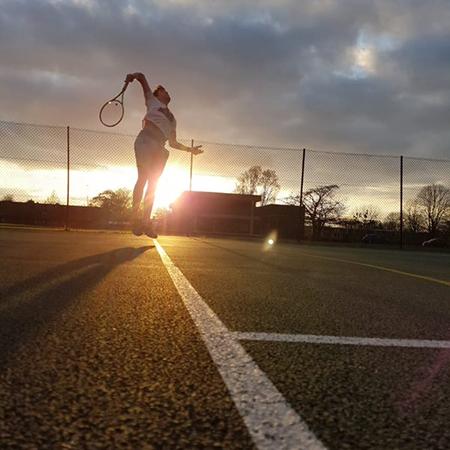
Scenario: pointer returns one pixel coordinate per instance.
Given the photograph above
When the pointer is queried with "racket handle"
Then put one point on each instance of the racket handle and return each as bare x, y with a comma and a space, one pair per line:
125, 85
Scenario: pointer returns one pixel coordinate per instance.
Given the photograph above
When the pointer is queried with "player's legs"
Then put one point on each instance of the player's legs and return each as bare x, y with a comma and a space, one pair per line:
138, 190
142, 149
151, 157
157, 166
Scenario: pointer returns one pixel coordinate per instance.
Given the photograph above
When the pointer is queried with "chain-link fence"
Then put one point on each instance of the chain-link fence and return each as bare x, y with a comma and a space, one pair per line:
347, 196
426, 205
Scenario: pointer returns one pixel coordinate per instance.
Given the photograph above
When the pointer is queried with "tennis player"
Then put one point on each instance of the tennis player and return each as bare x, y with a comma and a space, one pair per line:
159, 126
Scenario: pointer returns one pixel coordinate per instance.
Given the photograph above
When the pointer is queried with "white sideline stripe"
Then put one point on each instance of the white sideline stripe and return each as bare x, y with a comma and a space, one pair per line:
270, 420
342, 340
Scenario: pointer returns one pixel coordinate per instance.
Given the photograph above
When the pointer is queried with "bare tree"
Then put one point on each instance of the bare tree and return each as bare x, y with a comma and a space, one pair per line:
269, 186
321, 206
392, 221
434, 203
414, 220
258, 181
367, 216
247, 182
8, 198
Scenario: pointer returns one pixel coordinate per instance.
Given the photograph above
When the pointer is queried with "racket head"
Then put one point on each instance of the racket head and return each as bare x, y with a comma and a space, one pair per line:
111, 113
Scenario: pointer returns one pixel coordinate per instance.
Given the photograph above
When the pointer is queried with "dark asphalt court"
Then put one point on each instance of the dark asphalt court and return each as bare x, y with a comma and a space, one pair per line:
98, 351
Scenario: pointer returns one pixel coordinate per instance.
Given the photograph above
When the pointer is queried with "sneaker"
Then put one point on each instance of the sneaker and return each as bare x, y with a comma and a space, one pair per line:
149, 231
137, 229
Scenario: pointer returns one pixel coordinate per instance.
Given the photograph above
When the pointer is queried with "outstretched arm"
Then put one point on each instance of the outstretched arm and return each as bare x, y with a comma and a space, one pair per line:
144, 83
179, 146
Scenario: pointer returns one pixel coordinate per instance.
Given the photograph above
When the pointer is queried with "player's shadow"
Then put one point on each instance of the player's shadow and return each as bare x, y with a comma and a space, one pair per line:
32, 304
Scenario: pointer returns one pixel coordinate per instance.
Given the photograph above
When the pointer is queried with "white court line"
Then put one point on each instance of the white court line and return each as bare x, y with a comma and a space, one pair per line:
271, 422
342, 340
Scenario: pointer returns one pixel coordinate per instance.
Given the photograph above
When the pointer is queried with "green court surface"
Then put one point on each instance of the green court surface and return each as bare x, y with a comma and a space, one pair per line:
101, 340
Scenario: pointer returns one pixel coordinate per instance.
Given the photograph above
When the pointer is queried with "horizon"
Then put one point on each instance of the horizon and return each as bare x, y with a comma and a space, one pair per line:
363, 180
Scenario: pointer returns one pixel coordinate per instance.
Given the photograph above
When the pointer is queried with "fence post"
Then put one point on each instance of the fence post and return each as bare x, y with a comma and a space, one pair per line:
192, 163
401, 201
301, 230
68, 178
302, 177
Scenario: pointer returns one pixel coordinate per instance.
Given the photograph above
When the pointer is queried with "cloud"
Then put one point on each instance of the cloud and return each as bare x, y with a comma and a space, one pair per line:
338, 75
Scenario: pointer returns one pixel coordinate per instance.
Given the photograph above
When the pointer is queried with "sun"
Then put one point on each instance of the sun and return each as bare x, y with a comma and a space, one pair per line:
173, 182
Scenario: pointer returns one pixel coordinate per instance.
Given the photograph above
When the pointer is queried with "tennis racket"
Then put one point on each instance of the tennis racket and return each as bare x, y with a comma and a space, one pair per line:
111, 113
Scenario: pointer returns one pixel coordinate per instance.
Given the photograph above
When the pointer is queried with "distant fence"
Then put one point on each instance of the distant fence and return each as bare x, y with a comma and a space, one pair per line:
370, 197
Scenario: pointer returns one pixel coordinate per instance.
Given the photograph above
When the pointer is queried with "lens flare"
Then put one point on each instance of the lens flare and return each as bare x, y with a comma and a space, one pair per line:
270, 240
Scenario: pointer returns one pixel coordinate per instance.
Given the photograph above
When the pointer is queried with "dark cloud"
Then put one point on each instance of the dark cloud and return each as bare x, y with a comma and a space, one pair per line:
342, 75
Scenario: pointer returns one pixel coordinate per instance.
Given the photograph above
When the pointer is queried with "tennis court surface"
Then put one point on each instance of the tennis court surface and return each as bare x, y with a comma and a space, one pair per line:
112, 341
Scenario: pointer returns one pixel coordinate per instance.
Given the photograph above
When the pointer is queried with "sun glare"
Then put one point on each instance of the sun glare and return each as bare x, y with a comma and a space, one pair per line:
175, 180
172, 183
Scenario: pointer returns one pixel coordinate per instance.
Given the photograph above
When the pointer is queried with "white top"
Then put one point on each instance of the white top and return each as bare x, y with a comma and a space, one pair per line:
159, 114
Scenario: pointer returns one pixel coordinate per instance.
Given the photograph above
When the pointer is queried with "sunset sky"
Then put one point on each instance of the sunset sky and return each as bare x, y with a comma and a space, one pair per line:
348, 75
353, 75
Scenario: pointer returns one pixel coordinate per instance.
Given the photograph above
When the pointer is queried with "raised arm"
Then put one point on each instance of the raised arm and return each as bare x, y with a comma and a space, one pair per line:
179, 146
144, 83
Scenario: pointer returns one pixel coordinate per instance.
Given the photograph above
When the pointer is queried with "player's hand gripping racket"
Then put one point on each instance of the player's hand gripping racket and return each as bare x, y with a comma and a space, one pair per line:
111, 113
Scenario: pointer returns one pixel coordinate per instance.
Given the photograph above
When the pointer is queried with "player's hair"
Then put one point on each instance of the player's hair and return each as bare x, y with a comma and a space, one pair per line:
160, 86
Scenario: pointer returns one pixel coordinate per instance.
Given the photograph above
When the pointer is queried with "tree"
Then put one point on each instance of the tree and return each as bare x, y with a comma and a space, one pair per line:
433, 202
392, 221
161, 213
269, 186
247, 182
160, 218
8, 198
321, 206
52, 199
414, 220
367, 216
117, 203
258, 181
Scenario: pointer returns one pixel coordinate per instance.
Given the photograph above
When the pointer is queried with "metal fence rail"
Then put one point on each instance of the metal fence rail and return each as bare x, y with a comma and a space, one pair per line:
379, 196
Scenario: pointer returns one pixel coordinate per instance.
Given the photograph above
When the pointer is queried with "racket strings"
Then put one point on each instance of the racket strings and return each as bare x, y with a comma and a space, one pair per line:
112, 113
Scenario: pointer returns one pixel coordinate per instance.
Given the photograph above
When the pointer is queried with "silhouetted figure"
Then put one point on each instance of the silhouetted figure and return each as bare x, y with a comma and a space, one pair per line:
159, 125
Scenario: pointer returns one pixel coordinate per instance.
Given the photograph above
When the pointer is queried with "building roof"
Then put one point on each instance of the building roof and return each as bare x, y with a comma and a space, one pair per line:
218, 196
